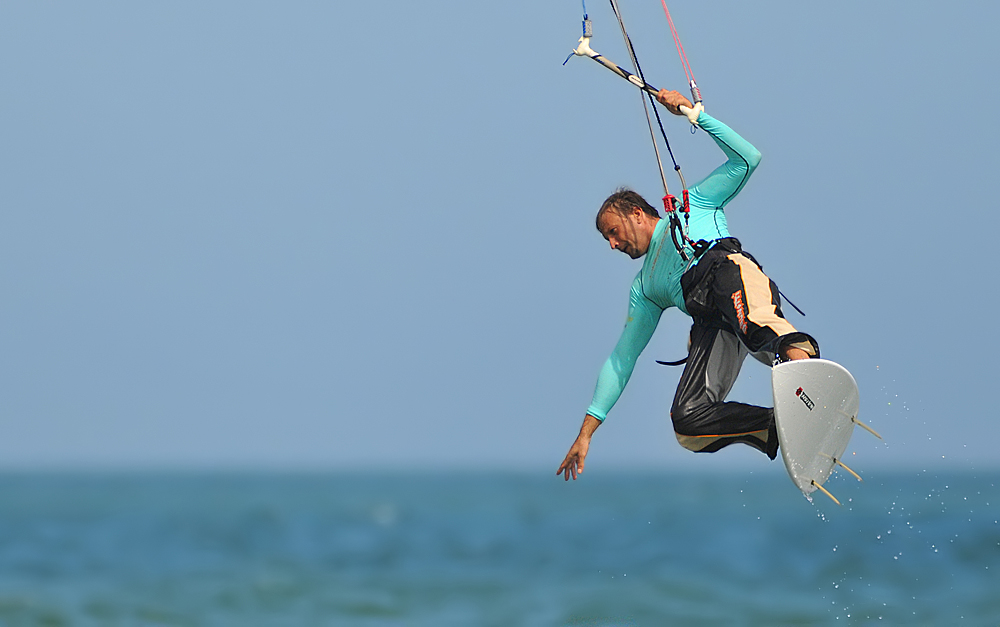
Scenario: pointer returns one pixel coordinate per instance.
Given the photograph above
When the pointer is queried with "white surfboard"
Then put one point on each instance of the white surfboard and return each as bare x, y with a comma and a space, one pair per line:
815, 409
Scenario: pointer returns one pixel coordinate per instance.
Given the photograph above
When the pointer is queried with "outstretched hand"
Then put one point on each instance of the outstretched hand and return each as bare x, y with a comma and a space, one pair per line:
572, 465
673, 100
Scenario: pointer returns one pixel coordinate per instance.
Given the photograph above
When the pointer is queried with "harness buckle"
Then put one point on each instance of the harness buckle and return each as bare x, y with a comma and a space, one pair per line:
670, 202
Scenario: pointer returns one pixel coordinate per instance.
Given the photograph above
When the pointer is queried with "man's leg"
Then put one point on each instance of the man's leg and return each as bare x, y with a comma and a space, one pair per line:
703, 421
750, 303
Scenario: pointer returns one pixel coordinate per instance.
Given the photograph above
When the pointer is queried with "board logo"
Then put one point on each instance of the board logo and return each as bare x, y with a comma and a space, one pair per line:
805, 399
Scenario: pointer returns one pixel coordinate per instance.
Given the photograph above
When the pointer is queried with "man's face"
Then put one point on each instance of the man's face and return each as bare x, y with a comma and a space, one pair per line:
624, 233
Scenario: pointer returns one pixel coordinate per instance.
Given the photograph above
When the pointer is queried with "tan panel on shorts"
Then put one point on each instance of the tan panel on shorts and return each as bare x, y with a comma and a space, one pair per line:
699, 442
760, 310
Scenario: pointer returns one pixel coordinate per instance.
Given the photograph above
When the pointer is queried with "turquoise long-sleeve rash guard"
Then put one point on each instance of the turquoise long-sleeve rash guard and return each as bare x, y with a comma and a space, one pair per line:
658, 284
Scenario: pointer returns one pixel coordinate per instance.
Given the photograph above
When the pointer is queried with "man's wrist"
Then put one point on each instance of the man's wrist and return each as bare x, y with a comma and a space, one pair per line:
590, 424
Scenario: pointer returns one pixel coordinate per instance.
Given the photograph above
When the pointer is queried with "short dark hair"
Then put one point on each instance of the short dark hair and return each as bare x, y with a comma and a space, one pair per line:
622, 202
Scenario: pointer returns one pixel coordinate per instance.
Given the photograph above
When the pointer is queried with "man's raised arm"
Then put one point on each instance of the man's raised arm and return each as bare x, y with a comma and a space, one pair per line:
719, 187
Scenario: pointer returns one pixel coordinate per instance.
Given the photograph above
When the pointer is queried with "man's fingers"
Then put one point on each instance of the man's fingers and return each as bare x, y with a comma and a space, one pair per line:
573, 464
564, 468
673, 101
567, 468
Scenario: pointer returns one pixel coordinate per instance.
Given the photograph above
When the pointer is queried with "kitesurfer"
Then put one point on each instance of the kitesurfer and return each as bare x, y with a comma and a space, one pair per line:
735, 307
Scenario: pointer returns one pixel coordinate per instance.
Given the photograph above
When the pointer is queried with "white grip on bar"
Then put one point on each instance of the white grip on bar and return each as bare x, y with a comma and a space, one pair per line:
692, 113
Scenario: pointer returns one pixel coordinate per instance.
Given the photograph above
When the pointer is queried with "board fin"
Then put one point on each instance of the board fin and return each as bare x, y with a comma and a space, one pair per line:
825, 491
848, 469
843, 465
866, 428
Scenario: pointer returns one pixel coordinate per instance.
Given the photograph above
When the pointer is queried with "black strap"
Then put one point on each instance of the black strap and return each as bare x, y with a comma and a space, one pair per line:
701, 246
675, 225
679, 362
791, 303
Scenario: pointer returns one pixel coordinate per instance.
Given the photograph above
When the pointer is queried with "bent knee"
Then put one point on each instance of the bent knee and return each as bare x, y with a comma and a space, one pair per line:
684, 417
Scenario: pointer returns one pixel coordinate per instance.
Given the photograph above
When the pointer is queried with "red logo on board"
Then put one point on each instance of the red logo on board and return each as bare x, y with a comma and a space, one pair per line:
808, 402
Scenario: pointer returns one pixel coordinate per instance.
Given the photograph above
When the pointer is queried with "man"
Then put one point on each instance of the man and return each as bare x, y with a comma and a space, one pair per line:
735, 307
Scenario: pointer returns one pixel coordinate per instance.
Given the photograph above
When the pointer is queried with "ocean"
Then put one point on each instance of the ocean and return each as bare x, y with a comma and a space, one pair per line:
614, 548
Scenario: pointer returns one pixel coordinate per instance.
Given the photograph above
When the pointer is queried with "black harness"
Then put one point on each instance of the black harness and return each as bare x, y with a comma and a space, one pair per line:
699, 248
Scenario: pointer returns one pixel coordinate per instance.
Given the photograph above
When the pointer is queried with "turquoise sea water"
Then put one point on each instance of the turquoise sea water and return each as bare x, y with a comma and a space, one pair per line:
487, 549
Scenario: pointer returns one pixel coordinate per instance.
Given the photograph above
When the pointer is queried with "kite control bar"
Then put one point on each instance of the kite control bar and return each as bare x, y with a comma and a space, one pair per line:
584, 50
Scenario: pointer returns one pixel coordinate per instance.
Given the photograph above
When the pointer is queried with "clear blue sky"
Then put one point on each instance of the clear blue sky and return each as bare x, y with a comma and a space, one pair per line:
329, 235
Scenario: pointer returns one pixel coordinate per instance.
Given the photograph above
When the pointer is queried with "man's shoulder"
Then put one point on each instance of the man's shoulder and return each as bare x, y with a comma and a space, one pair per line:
637, 293
636, 283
